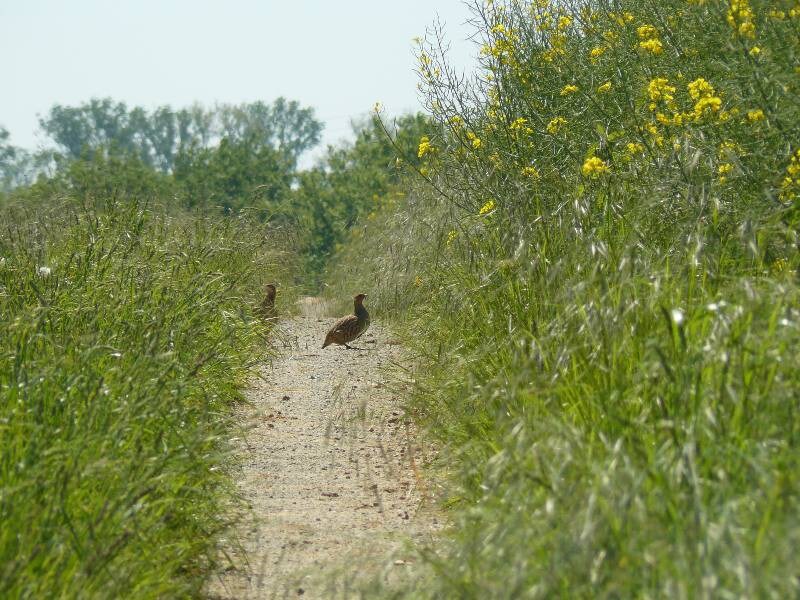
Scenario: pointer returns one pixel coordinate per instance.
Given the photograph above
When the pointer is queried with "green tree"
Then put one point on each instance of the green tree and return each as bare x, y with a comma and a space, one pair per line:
283, 125
195, 125
352, 180
98, 123
15, 163
156, 137
97, 177
234, 174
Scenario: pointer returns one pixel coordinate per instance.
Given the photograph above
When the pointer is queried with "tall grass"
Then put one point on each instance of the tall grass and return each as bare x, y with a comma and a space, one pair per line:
598, 273
126, 334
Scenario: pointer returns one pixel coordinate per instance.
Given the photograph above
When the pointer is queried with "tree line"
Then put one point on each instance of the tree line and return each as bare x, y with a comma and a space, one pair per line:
222, 158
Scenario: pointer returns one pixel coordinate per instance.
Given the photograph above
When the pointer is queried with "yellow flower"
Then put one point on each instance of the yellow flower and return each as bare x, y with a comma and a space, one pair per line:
610, 36
634, 148
728, 147
780, 264
747, 29
555, 125
663, 119
594, 167
621, 19
486, 208
569, 89
531, 172
723, 170
597, 52
604, 88
754, 51
557, 43
700, 88
564, 22
706, 105
740, 18
652, 129
755, 115
646, 32
476, 141
706, 102
654, 46
425, 147
794, 165
451, 236
520, 124
659, 90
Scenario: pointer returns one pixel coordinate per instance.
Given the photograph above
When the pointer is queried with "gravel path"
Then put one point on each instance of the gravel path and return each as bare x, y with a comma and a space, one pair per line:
330, 469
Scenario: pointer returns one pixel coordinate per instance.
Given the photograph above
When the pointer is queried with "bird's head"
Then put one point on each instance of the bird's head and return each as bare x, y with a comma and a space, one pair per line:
359, 298
270, 289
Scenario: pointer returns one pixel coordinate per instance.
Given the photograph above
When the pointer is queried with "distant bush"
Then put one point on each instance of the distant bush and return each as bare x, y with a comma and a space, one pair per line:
353, 182
234, 175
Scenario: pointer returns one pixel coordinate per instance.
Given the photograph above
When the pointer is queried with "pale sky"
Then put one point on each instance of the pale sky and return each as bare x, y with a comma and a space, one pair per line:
339, 57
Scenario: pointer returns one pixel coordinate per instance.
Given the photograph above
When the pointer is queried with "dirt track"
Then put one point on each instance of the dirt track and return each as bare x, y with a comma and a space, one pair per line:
330, 469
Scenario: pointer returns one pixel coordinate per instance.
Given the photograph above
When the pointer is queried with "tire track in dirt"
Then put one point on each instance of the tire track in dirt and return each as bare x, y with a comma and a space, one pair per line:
330, 469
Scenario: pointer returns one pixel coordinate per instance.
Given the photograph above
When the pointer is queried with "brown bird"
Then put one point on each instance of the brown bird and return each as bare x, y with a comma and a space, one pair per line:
350, 327
266, 310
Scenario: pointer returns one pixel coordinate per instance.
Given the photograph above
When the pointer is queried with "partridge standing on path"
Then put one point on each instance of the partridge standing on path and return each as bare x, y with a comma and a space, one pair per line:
266, 310
350, 327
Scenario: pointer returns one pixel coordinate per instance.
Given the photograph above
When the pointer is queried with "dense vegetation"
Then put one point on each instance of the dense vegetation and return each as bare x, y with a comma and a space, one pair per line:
591, 245
353, 182
597, 267
127, 289
126, 335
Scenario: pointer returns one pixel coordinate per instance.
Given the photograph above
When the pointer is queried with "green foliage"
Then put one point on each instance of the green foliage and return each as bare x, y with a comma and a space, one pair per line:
354, 181
599, 274
229, 177
95, 179
233, 175
126, 335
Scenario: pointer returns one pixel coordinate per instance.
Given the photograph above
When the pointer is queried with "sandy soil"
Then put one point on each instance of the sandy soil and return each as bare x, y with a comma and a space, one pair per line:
330, 469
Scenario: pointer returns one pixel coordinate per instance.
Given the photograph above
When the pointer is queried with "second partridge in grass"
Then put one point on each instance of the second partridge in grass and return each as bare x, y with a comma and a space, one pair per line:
266, 310
349, 328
